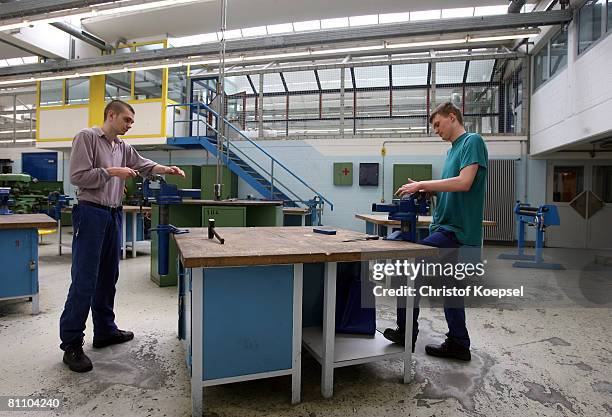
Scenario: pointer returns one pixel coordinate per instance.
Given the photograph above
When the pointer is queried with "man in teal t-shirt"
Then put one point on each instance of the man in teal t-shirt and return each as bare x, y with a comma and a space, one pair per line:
457, 220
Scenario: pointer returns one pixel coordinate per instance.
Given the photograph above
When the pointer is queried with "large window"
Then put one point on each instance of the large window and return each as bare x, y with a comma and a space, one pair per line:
540, 67
551, 59
148, 84
51, 93
558, 52
177, 84
118, 86
77, 90
590, 23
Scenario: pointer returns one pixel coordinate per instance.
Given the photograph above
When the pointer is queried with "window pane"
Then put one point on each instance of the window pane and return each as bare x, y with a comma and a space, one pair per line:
51, 92
255, 80
330, 79
481, 100
454, 95
589, 24
273, 83
480, 71
301, 81
540, 67
118, 86
367, 77
177, 84
568, 182
77, 90
304, 106
409, 102
238, 84
609, 15
602, 182
148, 84
373, 103
450, 72
558, 52
410, 74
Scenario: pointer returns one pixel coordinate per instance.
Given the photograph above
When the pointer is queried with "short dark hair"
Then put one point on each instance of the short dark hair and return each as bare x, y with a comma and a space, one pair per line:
445, 109
117, 106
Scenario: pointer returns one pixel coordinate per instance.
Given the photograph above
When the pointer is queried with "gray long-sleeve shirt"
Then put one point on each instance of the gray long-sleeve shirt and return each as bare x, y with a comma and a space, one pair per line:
91, 154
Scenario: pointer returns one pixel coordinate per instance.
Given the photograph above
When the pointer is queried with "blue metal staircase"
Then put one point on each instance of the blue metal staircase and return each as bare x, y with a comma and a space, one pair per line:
259, 178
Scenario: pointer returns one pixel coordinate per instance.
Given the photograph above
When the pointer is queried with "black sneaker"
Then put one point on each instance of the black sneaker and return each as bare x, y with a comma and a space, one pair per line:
449, 349
397, 336
76, 359
121, 336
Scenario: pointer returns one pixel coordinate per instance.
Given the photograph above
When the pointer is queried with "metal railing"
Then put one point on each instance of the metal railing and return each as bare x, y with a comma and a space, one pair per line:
197, 107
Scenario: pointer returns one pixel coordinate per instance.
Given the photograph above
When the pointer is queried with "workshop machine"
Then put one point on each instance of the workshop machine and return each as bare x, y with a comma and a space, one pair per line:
539, 217
407, 210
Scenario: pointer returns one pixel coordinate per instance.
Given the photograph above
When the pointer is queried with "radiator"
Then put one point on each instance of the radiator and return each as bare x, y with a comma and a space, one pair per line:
500, 199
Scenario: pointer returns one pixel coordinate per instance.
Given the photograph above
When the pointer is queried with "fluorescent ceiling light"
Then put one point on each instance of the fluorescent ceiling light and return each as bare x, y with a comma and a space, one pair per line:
371, 19
427, 43
393, 17
91, 11
460, 12
230, 34
281, 28
255, 31
425, 15
339, 22
347, 50
529, 34
307, 25
490, 10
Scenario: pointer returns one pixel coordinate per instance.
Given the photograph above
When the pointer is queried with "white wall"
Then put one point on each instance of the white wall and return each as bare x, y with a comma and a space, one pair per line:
576, 103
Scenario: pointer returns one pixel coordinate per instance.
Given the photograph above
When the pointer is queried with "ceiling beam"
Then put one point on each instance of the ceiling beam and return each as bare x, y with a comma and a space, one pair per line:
257, 44
26, 8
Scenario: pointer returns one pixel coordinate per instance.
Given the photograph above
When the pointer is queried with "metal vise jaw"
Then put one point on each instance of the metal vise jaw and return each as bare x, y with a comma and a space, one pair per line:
406, 210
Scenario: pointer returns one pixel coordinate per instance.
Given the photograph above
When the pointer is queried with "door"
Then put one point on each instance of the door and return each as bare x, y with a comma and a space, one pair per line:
582, 193
204, 90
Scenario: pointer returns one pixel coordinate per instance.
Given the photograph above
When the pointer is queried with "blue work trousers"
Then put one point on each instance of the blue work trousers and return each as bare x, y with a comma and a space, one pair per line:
96, 249
455, 315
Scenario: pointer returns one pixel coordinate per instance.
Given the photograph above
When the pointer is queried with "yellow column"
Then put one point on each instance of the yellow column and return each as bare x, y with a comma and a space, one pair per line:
96, 100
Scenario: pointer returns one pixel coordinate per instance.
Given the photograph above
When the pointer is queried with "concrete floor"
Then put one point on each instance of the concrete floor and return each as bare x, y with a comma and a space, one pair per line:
549, 357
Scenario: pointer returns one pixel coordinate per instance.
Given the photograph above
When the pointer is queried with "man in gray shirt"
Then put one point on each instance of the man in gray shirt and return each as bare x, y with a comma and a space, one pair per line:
100, 163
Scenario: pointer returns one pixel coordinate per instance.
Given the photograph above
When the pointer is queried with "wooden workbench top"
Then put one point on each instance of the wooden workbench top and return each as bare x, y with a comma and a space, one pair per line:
286, 245
233, 202
296, 210
383, 219
26, 221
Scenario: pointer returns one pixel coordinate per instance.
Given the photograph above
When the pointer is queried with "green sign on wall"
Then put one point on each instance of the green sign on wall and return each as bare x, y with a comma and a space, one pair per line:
343, 173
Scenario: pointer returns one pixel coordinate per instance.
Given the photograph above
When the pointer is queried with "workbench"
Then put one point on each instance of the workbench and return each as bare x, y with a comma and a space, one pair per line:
378, 224
195, 213
133, 227
19, 255
241, 305
290, 214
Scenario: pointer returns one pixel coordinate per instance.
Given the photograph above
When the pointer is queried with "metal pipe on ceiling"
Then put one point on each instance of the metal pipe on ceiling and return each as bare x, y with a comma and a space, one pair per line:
83, 35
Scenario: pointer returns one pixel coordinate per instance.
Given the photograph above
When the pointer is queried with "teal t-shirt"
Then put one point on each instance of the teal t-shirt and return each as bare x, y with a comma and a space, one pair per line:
462, 212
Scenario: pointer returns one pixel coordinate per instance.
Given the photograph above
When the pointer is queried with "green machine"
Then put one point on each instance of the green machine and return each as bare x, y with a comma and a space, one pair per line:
28, 195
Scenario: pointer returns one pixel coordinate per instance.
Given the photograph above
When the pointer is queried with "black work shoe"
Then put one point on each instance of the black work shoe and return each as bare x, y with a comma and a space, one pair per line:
397, 336
449, 349
121, 336
76, 359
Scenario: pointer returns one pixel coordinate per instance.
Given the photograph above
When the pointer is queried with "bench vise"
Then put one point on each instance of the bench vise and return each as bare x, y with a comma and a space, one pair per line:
407, 210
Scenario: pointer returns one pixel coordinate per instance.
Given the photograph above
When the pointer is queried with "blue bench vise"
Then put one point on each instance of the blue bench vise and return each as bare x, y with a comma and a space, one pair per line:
57, 202
539, 217
155, 189
407, 210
